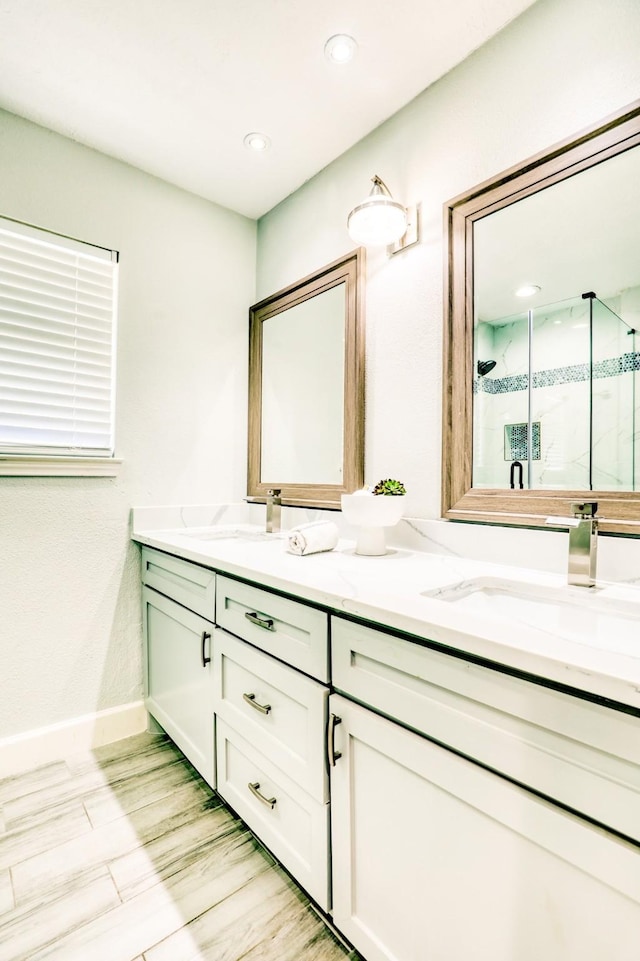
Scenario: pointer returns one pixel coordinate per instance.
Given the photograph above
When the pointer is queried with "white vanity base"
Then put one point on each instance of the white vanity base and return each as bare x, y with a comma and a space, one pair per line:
443, 783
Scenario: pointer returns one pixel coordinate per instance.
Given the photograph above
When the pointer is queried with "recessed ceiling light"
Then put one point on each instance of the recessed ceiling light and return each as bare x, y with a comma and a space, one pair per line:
528, 290
340, 49
257, 142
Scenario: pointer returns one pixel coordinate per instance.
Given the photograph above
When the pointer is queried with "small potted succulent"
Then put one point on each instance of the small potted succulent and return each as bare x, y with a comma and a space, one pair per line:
371, 510
390, 488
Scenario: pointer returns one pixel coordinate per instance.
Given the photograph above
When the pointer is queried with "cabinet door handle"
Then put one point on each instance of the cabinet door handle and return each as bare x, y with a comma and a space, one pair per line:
270, 802
205, 660
264, 622
332, 754
251, 699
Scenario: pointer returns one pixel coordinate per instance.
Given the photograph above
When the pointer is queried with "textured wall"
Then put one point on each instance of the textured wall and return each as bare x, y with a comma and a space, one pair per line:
69, 602
560, 66
69, 595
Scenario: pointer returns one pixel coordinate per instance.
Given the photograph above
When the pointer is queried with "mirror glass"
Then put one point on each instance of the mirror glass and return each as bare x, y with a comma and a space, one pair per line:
306, 387
541, 392
556, 374
302, 391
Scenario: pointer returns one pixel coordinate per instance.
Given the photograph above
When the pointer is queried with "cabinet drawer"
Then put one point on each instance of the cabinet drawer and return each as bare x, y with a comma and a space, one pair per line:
582, 754
280, 711
188, 584
292, 825
290, 631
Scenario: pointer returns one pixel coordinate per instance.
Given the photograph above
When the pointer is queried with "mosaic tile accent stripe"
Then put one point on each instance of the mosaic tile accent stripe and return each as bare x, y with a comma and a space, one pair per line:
574, 373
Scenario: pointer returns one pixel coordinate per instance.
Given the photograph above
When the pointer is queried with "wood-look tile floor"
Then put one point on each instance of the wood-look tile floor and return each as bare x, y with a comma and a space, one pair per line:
125, 854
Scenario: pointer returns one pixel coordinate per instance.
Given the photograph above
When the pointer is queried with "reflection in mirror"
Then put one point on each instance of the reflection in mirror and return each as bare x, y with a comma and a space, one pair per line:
303, 399
578, 409
565, 367
306, 387
543, 395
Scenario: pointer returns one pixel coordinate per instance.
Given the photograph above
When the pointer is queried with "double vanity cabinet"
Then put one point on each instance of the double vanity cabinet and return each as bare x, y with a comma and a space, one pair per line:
436, 806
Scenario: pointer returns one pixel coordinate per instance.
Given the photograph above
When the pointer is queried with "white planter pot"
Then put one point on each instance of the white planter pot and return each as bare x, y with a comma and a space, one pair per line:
370, 515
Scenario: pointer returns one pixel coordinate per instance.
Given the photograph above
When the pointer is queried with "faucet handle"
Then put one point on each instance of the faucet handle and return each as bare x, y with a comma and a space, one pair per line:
562, 521
584, 509
275, 492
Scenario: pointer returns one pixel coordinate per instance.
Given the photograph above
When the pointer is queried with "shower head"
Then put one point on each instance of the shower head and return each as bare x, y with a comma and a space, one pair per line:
484, 366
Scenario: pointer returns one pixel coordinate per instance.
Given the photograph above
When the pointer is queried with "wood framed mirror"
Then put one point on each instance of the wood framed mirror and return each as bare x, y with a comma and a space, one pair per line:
559, 196
306, 387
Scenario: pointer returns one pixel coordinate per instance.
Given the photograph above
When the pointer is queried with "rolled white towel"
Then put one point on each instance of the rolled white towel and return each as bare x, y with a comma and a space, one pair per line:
312, 538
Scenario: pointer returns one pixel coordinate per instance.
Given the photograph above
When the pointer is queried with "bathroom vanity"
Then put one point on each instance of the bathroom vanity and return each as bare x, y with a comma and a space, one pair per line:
443, 782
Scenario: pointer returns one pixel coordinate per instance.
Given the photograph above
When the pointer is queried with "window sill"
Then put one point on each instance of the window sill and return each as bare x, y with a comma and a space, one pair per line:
25, 466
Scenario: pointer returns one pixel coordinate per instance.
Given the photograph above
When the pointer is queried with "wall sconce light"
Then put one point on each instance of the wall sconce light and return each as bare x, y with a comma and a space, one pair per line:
380, 221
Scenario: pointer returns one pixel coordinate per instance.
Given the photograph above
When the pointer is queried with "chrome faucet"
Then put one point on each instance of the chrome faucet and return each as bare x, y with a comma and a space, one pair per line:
583, 542
274, 508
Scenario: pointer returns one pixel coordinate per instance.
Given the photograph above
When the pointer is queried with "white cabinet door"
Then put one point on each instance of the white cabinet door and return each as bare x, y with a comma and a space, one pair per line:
435, 857
178, 688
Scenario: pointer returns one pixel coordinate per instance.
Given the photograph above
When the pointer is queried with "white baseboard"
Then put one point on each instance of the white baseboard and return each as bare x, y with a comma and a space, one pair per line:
22, 752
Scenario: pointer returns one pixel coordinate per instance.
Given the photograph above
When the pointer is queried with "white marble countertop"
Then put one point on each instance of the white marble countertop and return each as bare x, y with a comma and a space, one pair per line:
388, 590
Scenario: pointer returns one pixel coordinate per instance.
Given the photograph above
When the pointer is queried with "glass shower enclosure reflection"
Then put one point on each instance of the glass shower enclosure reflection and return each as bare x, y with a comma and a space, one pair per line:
557, 396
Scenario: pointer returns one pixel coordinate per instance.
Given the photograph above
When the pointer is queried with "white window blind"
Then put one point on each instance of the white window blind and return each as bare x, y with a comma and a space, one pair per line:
57, 344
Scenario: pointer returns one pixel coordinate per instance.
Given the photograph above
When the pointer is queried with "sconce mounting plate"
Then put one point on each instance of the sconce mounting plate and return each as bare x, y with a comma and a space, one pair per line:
412, 234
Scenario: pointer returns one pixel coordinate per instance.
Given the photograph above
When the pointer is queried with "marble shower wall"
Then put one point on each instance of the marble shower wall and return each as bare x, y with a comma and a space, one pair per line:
560, 396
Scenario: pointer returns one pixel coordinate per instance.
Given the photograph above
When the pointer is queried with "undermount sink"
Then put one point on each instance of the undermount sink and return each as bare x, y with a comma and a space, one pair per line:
575, 613
231, 533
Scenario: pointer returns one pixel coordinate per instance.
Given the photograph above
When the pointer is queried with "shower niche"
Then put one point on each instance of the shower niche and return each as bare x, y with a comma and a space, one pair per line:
519, 439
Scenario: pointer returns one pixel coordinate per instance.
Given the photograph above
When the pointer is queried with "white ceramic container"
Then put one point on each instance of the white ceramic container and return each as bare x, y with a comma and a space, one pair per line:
370, 514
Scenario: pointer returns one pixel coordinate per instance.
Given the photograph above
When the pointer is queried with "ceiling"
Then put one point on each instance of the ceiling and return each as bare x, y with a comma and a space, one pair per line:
579, 235
173, 86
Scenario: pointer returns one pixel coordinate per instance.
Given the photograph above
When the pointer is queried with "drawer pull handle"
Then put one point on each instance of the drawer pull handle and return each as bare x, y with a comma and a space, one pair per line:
333, 755
251, 699
255, 790
264, 622
205, 660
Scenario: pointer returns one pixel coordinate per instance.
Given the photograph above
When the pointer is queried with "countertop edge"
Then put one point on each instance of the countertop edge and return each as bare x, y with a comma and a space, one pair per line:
585, 671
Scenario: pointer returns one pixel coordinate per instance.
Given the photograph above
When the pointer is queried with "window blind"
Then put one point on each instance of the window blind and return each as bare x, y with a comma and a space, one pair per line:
57, 344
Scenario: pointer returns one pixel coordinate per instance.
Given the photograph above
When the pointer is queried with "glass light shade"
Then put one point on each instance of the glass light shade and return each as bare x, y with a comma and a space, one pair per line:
379, 221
